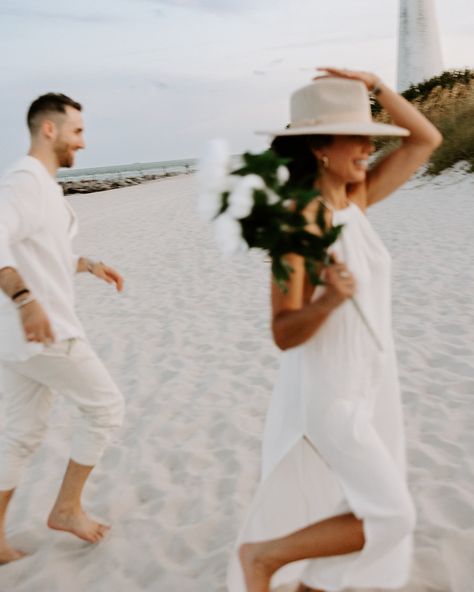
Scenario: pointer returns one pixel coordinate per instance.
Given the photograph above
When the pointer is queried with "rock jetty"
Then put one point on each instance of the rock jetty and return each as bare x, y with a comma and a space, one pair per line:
94, 185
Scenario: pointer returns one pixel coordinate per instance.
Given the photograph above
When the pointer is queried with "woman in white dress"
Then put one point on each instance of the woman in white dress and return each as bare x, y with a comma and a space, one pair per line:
332, 511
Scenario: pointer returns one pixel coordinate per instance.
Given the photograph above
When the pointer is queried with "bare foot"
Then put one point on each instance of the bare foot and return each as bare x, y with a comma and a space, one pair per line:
9, 554
78, 522
257, 568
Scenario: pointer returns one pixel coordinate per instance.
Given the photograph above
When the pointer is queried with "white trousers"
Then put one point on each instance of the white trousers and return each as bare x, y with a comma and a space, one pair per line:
72, 369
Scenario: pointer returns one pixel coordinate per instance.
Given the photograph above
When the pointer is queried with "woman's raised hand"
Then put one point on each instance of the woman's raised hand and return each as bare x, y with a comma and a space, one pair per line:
369, 79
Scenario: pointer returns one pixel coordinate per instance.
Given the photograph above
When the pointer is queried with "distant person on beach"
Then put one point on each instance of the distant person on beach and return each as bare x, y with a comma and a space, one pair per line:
43, 349
333, 510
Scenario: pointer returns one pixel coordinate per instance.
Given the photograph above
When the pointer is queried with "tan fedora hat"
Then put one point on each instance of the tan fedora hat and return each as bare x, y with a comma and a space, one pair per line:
334, 106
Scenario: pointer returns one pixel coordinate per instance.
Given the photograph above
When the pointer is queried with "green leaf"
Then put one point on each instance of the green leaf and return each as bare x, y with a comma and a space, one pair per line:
310, 267
281, 271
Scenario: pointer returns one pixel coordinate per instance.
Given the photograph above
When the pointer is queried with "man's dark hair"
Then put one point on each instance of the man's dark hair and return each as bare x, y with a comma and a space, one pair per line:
48, 103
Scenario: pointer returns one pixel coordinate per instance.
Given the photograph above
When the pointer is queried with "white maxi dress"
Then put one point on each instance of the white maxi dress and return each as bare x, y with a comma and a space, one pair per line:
333, 441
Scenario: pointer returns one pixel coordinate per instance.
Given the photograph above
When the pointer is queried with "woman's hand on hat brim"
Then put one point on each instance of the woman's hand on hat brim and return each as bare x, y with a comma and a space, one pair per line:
370, 80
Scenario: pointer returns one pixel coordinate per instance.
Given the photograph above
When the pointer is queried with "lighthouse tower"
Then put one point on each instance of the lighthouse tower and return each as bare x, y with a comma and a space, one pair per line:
419, 47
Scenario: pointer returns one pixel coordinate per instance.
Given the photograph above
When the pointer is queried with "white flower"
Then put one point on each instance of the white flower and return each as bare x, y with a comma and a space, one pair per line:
213, 178
228, 233
232, 181
209, 205
272, 197
214, 166
241, 199
283, 174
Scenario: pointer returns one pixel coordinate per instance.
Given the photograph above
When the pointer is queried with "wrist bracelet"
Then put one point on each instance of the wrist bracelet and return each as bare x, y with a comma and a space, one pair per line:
20, 293
90, 265
26, 301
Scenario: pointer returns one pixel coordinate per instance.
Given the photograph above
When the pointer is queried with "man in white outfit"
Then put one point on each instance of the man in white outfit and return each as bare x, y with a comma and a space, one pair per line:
43, 350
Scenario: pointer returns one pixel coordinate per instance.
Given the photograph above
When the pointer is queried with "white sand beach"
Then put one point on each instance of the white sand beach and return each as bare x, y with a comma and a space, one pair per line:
189, 344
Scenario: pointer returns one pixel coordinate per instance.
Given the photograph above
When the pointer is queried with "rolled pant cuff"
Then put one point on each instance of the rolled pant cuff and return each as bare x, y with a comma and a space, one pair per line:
86, 458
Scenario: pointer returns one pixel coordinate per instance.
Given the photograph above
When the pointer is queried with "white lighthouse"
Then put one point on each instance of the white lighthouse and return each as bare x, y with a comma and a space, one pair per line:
419, 47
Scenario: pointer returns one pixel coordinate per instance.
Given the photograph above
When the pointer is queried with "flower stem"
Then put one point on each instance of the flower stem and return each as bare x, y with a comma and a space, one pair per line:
367, 324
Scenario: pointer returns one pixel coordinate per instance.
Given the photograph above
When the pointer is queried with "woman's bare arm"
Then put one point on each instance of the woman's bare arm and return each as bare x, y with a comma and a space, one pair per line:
294, 321
416, 148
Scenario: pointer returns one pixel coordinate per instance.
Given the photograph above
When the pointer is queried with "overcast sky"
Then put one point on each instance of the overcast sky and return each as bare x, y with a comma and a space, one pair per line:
157, 78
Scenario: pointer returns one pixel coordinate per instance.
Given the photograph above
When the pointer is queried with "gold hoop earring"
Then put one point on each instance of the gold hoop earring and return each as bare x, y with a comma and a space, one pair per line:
325, 161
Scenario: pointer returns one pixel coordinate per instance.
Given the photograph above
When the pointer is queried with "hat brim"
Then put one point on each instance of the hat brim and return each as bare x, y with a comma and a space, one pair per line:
340, 129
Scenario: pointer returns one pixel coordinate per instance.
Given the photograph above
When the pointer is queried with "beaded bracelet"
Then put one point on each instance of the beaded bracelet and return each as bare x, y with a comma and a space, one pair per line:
20, 293
25, 302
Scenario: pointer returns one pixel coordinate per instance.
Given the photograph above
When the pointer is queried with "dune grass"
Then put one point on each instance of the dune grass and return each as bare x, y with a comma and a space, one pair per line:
448, 102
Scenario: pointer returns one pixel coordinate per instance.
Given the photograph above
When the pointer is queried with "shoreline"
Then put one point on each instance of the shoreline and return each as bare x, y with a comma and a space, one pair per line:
85, 186
82, 186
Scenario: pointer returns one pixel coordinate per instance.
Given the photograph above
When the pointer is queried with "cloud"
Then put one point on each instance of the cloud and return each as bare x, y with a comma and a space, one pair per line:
271, 64
213, 6
329, 41
159, 84
11, 10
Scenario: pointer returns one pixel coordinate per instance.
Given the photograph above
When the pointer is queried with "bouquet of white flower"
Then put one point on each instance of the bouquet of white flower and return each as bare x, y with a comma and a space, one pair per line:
254, 206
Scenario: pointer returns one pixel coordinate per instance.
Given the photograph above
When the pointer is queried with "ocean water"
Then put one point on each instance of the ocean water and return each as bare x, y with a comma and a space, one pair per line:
136, 169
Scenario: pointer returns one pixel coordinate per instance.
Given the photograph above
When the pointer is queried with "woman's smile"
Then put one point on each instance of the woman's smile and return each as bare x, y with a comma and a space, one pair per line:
361, 163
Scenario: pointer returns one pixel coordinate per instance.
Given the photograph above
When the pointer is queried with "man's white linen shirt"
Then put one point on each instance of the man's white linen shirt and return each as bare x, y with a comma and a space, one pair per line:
36, 230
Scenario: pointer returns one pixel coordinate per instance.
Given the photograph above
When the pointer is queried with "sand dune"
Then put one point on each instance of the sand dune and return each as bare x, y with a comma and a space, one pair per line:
189, 344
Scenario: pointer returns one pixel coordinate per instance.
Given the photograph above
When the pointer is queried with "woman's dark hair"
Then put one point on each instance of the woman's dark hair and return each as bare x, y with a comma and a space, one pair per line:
303, 166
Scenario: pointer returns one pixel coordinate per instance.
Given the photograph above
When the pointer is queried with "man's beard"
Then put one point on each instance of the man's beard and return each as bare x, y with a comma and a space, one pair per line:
64, 155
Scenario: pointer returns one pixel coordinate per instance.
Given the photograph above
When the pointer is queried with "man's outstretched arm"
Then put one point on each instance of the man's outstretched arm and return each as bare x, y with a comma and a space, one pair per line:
100, 270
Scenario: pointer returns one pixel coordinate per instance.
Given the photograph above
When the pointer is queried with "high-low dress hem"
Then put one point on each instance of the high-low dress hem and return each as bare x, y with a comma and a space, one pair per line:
320, 573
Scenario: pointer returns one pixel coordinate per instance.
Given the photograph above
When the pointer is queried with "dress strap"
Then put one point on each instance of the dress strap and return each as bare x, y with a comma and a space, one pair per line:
327, 205
331, 208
